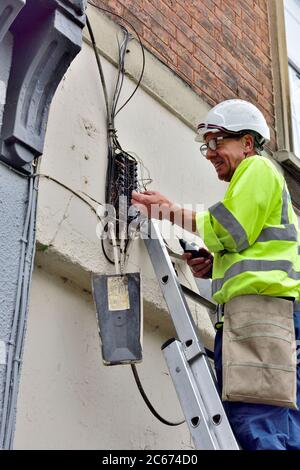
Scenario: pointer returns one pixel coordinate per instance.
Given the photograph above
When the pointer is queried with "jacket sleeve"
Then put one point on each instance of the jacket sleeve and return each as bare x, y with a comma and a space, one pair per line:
235, 223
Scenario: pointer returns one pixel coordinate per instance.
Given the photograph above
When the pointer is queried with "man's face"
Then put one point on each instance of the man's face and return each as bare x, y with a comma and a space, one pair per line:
227, 156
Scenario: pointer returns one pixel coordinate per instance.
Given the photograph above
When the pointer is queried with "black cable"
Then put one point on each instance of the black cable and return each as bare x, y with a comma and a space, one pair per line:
90, 30
121, 71
146, 400
113, 142
110, 127
20, 173
112, 138
41, 175
142, 49
103, 249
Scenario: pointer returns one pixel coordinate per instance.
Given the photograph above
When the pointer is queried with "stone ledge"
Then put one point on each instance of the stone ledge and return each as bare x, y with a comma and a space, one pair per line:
60, 264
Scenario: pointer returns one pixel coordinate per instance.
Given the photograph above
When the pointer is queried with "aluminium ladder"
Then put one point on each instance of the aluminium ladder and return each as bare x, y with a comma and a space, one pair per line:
186, 358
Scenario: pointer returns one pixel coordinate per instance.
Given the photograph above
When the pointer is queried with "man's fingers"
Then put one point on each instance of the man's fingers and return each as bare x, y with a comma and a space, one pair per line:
186, 256
201, 267
150, 193
203, 272
138, 197
198, 261
144, 199
198, 268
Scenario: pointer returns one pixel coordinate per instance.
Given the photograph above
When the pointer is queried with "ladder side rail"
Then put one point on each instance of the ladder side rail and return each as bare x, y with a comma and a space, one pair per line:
193, 348
187, 389
171, 290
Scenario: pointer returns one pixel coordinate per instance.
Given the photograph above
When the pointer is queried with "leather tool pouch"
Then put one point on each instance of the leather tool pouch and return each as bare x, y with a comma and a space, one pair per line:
259, 351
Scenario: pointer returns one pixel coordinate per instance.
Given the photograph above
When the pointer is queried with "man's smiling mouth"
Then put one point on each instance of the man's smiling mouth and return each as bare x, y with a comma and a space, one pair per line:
218, 165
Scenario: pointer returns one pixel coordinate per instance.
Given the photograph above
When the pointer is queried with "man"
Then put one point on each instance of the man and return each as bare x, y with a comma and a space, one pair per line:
255, 272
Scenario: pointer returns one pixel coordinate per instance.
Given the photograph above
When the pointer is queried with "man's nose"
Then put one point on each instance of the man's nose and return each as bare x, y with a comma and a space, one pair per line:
210, 154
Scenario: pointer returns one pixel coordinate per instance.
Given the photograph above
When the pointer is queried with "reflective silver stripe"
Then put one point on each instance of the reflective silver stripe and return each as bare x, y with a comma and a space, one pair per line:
255, 265
284, 210
298, 250
287, 233
231, 224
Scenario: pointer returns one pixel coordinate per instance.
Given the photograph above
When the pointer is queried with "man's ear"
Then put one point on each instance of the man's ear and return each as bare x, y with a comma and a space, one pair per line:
248, 142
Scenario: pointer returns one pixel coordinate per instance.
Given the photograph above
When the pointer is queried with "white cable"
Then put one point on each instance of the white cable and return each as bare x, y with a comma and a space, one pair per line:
112, 234
122, 253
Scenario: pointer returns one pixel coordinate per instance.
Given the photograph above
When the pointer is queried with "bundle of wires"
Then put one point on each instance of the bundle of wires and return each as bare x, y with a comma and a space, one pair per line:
114, 185
116, 182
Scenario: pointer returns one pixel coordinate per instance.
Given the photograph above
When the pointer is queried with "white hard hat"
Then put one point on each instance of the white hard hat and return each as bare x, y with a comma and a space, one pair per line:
234, 116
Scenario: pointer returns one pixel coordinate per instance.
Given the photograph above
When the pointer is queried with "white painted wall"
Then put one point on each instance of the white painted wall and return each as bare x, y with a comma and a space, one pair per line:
68, 399
77, 131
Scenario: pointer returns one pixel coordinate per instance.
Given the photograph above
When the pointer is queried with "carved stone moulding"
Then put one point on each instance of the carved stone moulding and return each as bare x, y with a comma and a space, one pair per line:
9, 10
47, 36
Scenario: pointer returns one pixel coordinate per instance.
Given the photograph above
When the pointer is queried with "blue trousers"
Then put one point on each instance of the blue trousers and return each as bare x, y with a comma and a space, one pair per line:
262, 427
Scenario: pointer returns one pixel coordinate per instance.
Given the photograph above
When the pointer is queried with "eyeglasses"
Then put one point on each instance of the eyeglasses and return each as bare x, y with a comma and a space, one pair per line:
212, 144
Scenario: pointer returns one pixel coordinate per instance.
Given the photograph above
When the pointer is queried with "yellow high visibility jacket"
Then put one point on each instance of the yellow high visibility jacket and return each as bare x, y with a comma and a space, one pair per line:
253, 234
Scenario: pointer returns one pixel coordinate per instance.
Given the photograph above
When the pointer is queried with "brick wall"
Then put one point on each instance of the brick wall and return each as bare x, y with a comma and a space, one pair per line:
219, 47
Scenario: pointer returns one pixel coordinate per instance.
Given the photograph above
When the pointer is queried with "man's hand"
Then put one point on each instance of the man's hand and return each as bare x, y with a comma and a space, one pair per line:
154, 205
202, 266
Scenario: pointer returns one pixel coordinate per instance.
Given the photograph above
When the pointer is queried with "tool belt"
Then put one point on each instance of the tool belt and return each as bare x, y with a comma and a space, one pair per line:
259, 351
